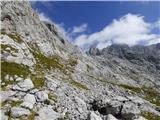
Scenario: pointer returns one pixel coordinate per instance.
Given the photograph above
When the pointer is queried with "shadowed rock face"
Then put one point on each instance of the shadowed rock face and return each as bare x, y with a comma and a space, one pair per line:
46, 77
137, 54
94, 51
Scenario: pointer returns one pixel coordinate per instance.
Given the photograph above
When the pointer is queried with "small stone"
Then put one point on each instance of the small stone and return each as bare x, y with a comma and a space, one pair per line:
18, 112
41, 96
52, 86
3, 83
111, 117
15, 76
7, 77
19, 79
8, 49
11, 78
93, 116
33, 91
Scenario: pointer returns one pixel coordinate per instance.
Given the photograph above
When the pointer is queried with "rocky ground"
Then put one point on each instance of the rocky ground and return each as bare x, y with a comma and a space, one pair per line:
44, 77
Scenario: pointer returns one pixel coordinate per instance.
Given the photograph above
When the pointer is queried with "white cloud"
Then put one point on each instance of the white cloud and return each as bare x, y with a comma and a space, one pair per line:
80, 29
45, 18
130, 29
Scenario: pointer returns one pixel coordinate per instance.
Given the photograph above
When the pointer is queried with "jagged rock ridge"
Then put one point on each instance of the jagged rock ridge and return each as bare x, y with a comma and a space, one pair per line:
46, 77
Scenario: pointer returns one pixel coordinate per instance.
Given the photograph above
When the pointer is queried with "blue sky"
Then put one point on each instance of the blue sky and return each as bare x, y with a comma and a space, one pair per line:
90, 23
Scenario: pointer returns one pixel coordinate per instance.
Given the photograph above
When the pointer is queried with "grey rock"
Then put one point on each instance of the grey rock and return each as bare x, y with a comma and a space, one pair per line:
3, 116
17, 112
29, 101
114, 107
27, 105
80, 102
47, 113
7, 77
19, 79
24, 85
130, 111
41, 96
110, 117
30, 98
93, 116
4, 95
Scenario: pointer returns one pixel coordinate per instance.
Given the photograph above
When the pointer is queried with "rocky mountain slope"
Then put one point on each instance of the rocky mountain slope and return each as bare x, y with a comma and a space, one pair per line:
44, 77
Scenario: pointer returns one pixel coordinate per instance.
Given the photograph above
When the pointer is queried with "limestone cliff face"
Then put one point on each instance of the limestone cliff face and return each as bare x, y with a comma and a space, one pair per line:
44, 77
19, 19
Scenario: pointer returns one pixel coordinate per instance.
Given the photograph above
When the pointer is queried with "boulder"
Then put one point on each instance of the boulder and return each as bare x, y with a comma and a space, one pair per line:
113, 107
4, 95
47, 113
130, 111
93, 116
24, 85
30, 98
29, 101
41, 96
27, 105
17, 112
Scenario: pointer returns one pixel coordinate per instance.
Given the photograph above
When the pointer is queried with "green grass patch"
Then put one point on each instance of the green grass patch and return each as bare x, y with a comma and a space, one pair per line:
53, 62
11, 69
134, 89
8, 113
15, 103
150, 94
12, 103
38, 81
44, 62
53, 97
78, 85
4, 46
29, 117
150, 116
8, 82
16, 37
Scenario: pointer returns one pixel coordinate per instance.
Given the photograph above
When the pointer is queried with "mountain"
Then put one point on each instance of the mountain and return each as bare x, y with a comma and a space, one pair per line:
45, 77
